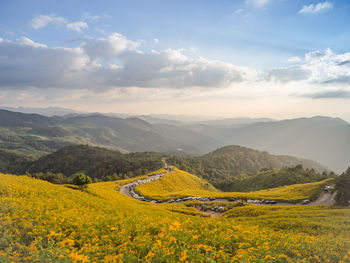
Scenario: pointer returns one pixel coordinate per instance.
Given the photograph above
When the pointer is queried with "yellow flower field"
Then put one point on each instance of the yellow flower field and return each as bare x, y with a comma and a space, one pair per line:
180, 184
43, 222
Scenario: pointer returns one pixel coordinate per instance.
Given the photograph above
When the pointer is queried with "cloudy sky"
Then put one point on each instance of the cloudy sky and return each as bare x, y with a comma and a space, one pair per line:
229, 58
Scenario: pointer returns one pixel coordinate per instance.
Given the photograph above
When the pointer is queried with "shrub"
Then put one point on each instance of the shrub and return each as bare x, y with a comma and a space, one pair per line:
82, 180
342, 187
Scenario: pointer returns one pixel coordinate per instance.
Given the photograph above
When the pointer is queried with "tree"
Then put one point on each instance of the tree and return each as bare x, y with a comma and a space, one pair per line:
342, 187
82, 180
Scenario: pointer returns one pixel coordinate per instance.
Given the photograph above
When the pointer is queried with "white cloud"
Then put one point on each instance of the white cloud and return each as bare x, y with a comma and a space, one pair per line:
317, 8
328, 67
156, 40
238, 11
294, 60
26, 63
116, 63
257, 3
77, 26
40, 21
288, 74
108, 47
28, 42
89, 16
320, 67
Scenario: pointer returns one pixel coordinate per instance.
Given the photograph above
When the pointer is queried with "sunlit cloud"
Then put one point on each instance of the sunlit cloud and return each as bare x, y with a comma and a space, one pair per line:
40, 21
77, 26
258, 3
294, 60
316, 8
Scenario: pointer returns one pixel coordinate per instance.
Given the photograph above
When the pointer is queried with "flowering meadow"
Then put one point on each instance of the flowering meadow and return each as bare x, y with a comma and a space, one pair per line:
180, 184
43, 222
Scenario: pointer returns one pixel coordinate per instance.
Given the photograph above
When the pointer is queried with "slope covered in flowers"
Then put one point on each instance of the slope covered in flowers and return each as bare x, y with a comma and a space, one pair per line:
42, 222
180, 184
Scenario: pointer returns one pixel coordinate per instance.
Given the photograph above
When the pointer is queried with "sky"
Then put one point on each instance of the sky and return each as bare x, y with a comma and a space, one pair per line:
226, 58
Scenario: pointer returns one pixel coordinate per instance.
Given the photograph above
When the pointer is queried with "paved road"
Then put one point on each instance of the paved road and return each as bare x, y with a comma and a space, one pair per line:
125, 189
129, 189
164, 162
325, 199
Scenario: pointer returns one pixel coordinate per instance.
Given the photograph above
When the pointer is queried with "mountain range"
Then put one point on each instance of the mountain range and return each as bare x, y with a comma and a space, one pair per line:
228, 168
323, 139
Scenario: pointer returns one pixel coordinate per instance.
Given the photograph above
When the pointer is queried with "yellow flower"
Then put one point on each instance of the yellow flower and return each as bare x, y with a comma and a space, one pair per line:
67, 242
268, 257
150, 255
183, 255
113, 258
175, 225
78, 258
283, 256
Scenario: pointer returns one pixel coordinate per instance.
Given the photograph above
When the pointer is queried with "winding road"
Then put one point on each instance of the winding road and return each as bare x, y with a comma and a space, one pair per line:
129, 189
325, 197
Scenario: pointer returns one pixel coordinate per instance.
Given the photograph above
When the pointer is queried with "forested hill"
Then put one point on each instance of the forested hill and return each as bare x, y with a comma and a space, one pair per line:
99, 163
229, 168
223, 166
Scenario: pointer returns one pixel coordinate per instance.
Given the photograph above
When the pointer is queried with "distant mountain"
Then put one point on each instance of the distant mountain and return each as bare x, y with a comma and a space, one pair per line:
233, 121
36, 135
324, 139
49, 111
222, 166
154, 120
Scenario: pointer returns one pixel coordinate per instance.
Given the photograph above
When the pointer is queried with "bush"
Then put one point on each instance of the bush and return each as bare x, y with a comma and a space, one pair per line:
342, 187
82, 181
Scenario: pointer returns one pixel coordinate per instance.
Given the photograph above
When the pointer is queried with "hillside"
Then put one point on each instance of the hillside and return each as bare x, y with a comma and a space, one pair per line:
172, 183
99, 163
275, 177
222, 166
179, 184
323, 139
10, 161
102, 225
35, 135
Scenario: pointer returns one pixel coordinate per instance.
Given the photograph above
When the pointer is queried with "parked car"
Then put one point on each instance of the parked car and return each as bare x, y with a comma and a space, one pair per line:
305, 202
326, 188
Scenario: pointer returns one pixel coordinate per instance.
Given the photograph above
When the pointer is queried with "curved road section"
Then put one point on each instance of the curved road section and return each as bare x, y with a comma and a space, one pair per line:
325, 197
129, 189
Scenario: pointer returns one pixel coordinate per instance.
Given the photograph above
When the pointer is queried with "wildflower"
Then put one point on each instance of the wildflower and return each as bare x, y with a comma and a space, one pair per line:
150, 255
183, 255
175, 225
67, 242
78, 258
